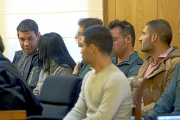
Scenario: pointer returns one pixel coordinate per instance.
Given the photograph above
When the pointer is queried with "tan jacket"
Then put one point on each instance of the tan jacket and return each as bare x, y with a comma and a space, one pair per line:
158, 80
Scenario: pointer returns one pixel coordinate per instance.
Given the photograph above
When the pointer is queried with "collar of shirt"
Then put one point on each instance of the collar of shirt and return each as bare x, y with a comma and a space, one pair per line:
153, 65
25, 54
128, 61
160, 57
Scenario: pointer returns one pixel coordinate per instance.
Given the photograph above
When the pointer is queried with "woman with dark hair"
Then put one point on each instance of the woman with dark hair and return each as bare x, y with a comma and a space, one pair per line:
54, 58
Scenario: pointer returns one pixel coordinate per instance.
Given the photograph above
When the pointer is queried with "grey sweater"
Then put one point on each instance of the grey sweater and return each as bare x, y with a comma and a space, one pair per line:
104, 96
55, 69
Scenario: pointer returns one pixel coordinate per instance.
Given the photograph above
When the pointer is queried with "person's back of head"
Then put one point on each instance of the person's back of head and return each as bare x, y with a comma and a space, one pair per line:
28, 25
162, 28
87, 22
100, 36
52, 47
1, 45
83, 24
125, 29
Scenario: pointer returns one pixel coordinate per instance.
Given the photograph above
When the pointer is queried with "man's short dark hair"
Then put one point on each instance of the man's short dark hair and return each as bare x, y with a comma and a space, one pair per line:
125, 29
87, 22
162, 28
28, 25
100, 36
1, 45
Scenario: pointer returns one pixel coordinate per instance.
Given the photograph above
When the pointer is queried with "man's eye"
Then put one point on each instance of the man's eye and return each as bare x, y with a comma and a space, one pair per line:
114, 39
30, 39
21, 39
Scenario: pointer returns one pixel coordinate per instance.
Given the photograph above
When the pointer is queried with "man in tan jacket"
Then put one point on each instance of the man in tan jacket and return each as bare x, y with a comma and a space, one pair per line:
160, 65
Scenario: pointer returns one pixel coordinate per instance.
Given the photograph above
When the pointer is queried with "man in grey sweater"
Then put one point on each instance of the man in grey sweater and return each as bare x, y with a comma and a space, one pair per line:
105, 92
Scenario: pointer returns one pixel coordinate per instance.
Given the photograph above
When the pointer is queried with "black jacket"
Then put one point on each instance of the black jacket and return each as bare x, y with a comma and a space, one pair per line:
32, 69
15, 94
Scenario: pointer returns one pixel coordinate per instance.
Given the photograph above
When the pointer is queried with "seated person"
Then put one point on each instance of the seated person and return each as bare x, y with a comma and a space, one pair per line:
169, 102
26, 60
160, 65
127, 60
105, 92
54, 58
81, 69
15, 94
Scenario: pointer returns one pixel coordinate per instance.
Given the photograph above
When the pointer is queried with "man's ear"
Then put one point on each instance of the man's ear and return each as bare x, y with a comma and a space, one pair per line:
92, 48
154, 37
128, 39
38, 35
18, 35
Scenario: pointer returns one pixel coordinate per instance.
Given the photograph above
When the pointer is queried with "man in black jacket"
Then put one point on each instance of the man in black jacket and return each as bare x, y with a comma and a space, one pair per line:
26, 60
15, 94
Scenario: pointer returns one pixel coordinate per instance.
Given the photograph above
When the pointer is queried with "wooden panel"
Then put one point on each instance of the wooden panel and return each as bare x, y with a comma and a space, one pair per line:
111, 10
13, 115
105, 12
138, 13
108, 11
170, 11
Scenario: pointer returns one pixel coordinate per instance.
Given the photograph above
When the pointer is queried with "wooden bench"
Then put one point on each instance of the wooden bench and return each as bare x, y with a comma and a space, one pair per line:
13, 115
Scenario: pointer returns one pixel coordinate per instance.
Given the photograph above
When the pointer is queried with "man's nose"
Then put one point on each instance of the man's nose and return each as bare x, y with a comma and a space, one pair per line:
140, 39
26, 43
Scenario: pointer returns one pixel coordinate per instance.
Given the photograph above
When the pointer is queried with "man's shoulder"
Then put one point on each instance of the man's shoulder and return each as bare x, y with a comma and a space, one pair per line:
19, 52
175, 53
7, 71
136, 65
7, 67
115, 76
131, 61
135, 60
114, 71
139, 61
173, 58
35, 56
17, 55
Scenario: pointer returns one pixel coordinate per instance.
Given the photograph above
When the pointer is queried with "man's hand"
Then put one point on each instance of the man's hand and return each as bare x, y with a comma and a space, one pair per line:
76, 69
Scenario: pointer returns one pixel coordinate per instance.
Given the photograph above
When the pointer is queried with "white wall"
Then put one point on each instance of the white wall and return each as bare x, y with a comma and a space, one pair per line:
59, 16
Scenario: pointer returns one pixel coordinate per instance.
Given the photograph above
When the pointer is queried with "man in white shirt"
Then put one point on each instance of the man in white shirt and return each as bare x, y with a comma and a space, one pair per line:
105, 92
